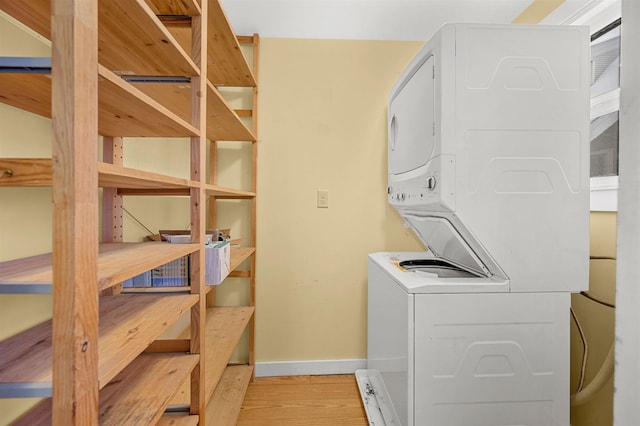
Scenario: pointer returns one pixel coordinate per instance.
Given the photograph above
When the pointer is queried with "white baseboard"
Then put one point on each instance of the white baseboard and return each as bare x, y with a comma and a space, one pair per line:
309, 368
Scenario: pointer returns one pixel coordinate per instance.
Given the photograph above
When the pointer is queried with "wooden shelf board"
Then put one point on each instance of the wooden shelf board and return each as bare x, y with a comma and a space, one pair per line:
239, 255
225, 404
169, 345
177, 420
136, 324
26, 171
131, 37
123, 110
223, 124
220, 191
136, 396
182, 398
29, 92
126, 111
155, 192
226, 64
34, 14
245, 39
141, 392
117, 262
157, 290
26, 359
120, 177
37, 172
224, 327
244, 112
175, 7
128, 324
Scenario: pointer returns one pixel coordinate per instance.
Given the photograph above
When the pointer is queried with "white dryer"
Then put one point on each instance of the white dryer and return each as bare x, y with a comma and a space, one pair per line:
488, 163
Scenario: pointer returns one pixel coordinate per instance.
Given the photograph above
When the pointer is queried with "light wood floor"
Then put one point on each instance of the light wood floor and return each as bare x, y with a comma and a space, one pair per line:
302, 401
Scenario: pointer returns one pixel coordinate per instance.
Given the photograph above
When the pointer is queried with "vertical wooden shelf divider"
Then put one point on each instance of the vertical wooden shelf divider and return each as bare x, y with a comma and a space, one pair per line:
74, 26
112, 203
198, 211
254, 202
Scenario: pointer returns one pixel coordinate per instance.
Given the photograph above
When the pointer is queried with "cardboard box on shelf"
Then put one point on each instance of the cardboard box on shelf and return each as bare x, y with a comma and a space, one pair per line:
218, 262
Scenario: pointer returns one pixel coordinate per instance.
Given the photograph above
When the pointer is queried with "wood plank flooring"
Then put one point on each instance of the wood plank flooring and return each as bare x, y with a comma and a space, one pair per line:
303, 400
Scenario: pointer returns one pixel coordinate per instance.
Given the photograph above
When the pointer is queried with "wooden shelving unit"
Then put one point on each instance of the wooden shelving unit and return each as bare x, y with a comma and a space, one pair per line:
127, 73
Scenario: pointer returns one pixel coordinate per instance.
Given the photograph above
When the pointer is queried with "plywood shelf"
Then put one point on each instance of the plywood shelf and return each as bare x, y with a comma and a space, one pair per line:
225, 404
222, 192
131, 39
37, 172
123, 110
176, 420
239, 255
111, 176
136, 396
223, 123
226, 65
128, 324
141, 392
224, 327
117, 262
175, 7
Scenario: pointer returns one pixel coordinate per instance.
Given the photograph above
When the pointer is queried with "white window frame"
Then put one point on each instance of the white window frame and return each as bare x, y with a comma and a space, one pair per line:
597, 15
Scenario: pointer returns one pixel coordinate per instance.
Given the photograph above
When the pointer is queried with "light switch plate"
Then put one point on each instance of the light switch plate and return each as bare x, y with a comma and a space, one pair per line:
323, 198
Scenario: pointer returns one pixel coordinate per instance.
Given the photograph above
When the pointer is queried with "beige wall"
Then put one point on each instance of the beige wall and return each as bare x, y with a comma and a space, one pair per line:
322, 126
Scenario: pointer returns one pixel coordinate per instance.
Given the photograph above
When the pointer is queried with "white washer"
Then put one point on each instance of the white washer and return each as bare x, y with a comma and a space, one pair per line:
441, 355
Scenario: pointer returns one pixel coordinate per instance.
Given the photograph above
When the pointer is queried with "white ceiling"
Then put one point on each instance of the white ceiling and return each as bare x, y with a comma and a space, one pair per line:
374, 19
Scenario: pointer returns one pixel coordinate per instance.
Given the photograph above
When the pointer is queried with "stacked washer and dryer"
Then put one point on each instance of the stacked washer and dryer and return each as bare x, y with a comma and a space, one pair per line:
488, 163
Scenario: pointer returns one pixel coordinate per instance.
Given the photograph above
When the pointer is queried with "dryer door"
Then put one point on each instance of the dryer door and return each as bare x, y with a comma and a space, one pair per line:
411, 120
